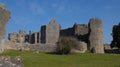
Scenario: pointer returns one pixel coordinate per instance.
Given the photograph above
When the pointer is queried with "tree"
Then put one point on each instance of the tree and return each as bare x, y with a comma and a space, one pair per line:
116, 36
66, 44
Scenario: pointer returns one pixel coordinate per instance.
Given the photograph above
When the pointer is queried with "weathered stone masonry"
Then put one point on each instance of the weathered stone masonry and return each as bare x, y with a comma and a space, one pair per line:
90, 36
4, 17
96, 36
17, 37
79, 31
50, 33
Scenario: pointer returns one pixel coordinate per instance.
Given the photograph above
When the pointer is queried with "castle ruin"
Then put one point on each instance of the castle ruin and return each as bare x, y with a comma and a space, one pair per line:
52, 30
4, 17
89, 35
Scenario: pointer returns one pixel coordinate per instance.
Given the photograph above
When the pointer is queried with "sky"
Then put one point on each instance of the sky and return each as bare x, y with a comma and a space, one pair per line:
32, 14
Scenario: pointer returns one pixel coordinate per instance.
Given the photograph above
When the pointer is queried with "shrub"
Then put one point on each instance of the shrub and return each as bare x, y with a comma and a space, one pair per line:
116, 36
87, 51
66, 44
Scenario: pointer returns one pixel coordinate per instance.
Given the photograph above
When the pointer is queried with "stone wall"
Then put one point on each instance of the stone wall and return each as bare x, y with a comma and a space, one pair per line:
96, 36
79, 31
17, 37
67, 32
4, 17
43, 34
82, 32
50, 32
35, 38
21, 36
32, 47
13, 37
43, 47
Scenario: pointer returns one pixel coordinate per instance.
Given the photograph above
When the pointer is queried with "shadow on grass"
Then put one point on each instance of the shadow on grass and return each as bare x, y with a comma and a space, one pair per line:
55, 53
112, 51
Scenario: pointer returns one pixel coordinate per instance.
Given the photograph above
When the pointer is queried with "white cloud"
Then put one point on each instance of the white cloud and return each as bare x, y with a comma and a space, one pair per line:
60, 9
108, 7
58, 6
36, 9
54, 5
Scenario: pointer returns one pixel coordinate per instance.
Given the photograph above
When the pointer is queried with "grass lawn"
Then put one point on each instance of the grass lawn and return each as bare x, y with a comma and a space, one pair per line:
32, 59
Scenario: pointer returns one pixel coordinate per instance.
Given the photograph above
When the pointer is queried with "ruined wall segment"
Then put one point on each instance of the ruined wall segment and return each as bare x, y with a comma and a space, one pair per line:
81, 29
78, 31
18, 37
50, 32
21, 37
4, 17
43, 34
13, 37
96, 36
35, 38
69, 32
81, 32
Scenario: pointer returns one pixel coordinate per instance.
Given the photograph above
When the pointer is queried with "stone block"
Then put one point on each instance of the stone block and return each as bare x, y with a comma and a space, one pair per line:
10, 61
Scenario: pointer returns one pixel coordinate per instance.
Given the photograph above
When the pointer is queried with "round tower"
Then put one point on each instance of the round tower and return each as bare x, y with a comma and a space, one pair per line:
4, 17
96, 36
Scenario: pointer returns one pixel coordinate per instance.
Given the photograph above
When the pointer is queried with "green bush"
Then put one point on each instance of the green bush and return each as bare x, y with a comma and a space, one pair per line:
116, 36
87, 51
66, 44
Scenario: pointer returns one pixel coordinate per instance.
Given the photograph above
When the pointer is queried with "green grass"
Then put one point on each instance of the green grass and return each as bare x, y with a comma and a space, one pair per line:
32, 59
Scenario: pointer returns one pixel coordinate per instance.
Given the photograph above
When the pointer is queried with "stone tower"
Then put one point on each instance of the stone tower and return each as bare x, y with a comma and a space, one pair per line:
4, 17
96, 36
50, 32
21, 36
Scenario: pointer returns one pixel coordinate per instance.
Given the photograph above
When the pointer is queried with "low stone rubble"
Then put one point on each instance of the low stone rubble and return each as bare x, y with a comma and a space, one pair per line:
10, 61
